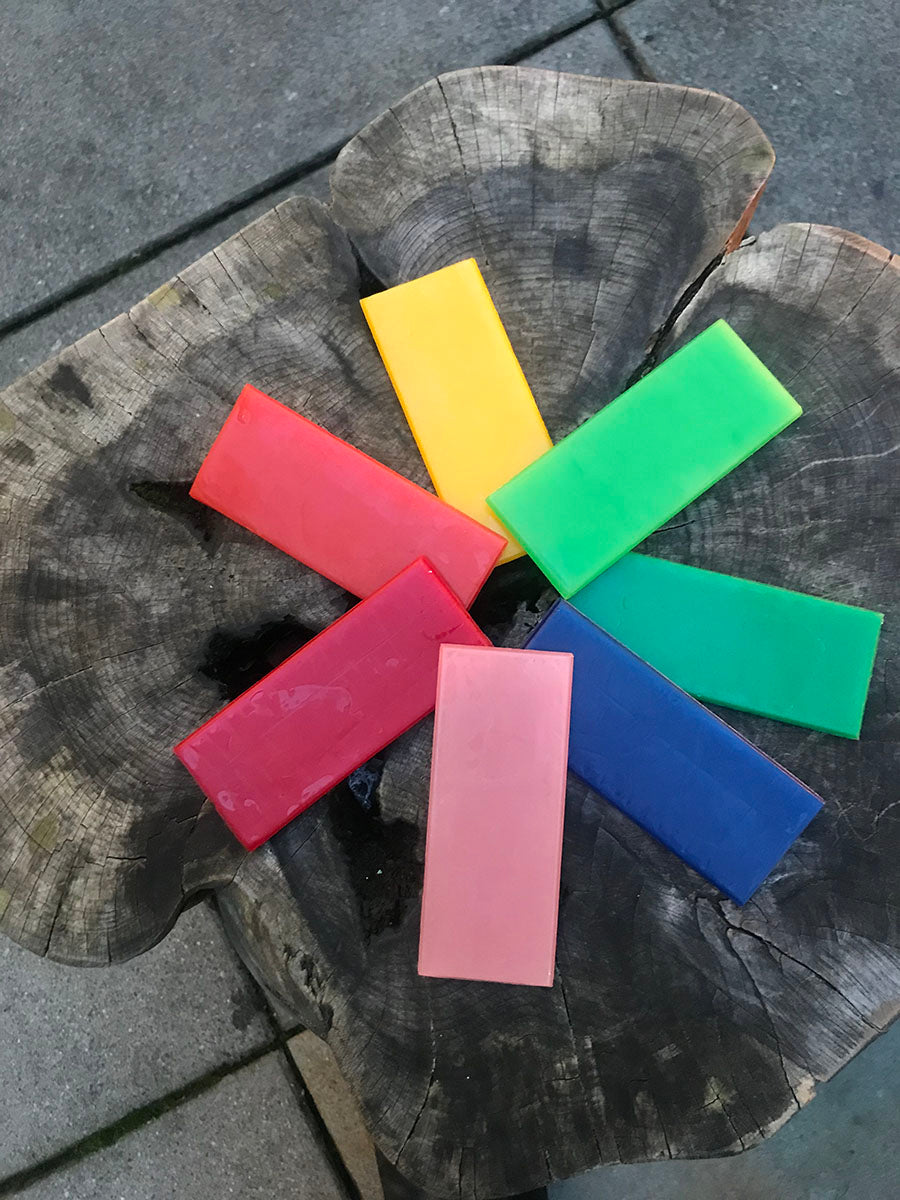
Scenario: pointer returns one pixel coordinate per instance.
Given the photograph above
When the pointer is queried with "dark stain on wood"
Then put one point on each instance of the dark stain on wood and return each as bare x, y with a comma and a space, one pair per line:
18, 452
508, 587
237, 659
174, 499
383, 868
41, 734
573, 255
65, 381
42, 585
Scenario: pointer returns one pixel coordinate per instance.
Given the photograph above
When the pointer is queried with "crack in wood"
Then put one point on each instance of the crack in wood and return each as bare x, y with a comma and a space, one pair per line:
774, 948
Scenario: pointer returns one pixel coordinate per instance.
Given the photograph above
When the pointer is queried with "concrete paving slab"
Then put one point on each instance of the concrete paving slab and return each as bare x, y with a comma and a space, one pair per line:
820, 79
29, 346
246, 1137
842, 1145
81, 1048
123, 120
589, 51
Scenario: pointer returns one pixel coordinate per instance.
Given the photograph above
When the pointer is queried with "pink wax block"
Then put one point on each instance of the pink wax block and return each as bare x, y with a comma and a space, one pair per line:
495, 815
334, 508
328, 708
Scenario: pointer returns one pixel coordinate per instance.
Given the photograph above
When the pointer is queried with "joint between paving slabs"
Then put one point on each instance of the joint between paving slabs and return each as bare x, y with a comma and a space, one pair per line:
103, 1138
295, 173
550, 37
305, 1100
627, 47
166, 241
116, 1131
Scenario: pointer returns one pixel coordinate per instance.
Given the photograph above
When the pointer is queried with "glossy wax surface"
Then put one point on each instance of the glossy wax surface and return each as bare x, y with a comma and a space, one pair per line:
643, 457
332, 507
671, 765
328, 708
495, 815
462, 389
731, 641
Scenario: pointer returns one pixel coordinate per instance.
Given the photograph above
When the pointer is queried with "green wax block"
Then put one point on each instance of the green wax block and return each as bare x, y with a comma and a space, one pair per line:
746, 645
640, 460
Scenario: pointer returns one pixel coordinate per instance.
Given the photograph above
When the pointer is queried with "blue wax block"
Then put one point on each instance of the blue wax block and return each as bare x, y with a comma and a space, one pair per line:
667, 762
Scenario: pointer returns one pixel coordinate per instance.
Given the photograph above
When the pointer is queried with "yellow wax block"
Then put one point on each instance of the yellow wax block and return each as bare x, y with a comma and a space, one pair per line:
457, 376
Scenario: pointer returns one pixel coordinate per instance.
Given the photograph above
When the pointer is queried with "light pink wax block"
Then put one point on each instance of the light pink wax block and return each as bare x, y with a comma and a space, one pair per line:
495, 815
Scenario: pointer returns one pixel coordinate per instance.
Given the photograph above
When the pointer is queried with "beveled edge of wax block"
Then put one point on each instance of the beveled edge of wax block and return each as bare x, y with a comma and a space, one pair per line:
879, 625
849, 732
419, 564
516, 650
716, 330
196, 491
743, 351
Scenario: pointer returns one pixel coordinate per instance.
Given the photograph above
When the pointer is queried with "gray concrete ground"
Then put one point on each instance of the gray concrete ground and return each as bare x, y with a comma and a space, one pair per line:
86, 1047
137, 136
245, 1136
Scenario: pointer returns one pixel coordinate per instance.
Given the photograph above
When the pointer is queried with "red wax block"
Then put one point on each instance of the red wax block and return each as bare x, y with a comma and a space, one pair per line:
328, 708
334, 508
495, 815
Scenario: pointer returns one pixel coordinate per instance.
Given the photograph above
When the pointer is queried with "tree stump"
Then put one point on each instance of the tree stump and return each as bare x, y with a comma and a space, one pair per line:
679, 1025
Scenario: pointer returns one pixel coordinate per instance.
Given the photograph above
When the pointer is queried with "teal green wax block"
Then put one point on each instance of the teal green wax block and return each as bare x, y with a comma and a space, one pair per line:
640, 460
746, 645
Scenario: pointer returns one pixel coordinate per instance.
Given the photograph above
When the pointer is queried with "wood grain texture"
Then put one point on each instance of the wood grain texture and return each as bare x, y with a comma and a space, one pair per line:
128, 612
678, 1024
590, 205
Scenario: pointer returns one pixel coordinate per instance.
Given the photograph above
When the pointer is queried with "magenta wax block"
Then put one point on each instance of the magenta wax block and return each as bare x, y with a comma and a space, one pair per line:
334, 508
495, 815
328, 708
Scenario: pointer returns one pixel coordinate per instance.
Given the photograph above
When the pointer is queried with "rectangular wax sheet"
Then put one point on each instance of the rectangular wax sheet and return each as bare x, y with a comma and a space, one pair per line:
332, 507
643, 457
671, 765
327, 709
747, 645
495, 815
460, 384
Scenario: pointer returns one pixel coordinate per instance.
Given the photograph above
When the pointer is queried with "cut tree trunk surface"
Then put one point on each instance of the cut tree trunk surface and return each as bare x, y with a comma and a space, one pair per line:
678, 1024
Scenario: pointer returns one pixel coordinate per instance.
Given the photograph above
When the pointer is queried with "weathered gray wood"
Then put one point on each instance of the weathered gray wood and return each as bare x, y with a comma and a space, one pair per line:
678, 1024
119, 596
590, 205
